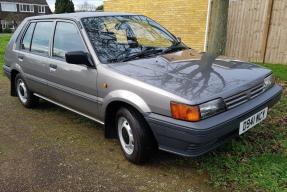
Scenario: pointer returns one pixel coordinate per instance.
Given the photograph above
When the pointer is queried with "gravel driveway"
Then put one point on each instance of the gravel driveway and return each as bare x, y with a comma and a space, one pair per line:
51, 149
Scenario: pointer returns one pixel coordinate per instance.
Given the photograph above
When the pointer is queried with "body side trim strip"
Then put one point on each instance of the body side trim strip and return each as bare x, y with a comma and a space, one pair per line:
70, 109
75, 92
66, 89
34, 78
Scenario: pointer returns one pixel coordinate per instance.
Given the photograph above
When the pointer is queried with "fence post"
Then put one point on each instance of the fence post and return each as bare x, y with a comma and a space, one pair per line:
267, 27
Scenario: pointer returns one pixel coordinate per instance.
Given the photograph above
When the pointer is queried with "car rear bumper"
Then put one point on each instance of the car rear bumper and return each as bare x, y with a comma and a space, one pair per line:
196, 138
7, 71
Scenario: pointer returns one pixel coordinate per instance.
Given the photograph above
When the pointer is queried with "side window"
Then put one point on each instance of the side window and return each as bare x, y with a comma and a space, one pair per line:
41, 37
26, 41
67, 38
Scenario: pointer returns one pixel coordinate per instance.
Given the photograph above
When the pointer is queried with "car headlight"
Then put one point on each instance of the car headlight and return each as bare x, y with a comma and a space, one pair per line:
211, 108
268, 82
197, 112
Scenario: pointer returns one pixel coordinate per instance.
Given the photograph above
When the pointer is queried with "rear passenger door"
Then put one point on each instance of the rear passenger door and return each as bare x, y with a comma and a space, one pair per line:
34, 54
72, 85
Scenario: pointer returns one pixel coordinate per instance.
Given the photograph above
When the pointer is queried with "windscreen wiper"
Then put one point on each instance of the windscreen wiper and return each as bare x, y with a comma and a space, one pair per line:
142, 54
177, 46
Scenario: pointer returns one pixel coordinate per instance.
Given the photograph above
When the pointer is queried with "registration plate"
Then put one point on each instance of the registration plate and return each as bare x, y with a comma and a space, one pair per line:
252, 121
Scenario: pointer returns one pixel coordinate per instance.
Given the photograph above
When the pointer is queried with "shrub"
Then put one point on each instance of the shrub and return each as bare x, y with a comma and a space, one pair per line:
7, 30
100, 8
64, 6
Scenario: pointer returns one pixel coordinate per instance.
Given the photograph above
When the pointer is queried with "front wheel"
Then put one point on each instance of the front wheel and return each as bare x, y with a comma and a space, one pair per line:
25, 96
135, 137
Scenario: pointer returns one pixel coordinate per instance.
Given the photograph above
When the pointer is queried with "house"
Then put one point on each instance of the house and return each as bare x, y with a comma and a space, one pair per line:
185, 18
13, 12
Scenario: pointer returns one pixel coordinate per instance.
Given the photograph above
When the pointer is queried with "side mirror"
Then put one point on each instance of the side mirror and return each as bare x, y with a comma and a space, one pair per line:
79, 57
178, 39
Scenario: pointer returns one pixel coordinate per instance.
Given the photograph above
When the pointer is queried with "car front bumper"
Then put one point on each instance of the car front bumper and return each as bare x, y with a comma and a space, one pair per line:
196, 138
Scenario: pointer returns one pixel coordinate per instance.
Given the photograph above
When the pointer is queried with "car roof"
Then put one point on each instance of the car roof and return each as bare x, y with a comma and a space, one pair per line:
78, 15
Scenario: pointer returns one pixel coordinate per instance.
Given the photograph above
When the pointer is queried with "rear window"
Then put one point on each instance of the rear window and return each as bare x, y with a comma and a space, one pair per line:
26, 42
41, 37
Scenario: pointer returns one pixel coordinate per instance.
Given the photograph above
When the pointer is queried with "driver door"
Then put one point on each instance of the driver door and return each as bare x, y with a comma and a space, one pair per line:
72, 85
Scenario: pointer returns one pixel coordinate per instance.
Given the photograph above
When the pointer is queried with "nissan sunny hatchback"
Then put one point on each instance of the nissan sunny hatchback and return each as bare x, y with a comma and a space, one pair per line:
143, 84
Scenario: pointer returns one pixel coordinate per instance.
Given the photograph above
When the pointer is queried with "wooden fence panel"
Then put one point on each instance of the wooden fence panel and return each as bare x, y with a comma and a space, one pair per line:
276, 51
257, 30
248, 22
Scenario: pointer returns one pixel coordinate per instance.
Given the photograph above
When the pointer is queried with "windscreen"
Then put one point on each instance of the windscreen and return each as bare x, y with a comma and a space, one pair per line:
117, 37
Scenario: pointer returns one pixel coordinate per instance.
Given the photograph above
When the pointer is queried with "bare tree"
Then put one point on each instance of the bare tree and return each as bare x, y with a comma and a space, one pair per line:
87, 7
218, 27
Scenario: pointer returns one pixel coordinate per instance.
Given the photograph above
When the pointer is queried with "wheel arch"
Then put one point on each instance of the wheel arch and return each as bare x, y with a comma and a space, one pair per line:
127, 97
114, 101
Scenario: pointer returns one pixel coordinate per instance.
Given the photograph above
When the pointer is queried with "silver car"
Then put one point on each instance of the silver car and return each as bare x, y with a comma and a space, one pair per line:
143, 84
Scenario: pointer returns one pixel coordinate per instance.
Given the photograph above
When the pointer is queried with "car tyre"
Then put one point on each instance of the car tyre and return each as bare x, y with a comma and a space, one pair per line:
25, 96
135, 137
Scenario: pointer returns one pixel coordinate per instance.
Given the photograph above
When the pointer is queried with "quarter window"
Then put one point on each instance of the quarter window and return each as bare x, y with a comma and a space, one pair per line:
26, 42
67, 38
26, 8
41, 37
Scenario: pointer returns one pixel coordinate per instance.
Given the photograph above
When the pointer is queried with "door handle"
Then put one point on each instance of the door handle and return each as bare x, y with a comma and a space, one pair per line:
20, 57
53, 67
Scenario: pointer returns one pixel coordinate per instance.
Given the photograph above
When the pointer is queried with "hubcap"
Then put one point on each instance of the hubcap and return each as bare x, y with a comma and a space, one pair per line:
22, 91
126, 135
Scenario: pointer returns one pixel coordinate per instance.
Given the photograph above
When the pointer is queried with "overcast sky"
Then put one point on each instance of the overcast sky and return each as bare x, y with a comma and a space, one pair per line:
76, 2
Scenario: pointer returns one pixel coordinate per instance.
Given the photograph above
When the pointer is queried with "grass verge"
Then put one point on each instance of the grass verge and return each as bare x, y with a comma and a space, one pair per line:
4, 39
257, 160
278, 69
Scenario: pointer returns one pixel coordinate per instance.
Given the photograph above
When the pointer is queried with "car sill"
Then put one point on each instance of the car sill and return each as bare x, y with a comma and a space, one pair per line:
68, 108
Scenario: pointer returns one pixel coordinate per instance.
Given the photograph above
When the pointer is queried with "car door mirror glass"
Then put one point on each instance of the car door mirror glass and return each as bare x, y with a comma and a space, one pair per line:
79, 57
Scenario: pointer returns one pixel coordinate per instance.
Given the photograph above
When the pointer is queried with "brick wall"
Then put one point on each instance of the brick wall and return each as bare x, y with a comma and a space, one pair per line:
184, 18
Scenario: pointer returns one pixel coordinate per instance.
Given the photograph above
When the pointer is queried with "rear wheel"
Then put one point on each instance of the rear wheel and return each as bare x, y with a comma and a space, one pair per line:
136, 139
25, 96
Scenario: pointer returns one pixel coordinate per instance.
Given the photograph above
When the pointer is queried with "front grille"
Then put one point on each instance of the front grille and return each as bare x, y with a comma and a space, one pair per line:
244, 96
256, 91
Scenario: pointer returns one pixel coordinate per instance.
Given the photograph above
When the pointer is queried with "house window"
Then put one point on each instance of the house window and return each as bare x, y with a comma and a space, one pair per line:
41, 9
9, 7
26, 8
7, 24
4, 24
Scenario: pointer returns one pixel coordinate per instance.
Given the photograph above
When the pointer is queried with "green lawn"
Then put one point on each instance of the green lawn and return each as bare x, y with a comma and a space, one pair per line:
4, 39
279, 70
256, 161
